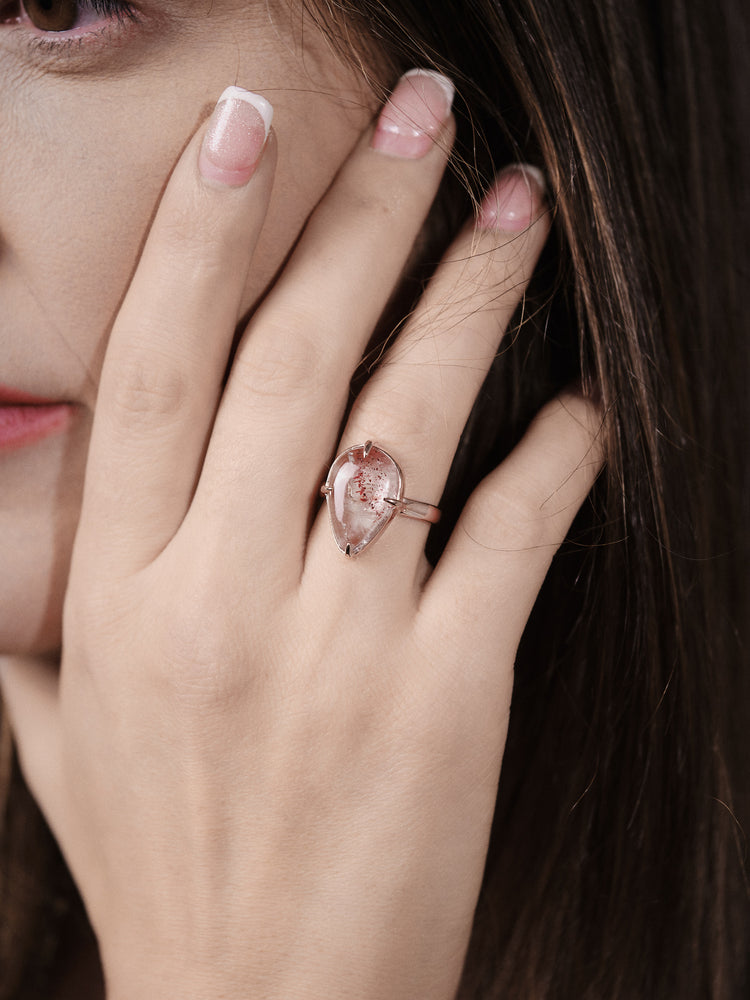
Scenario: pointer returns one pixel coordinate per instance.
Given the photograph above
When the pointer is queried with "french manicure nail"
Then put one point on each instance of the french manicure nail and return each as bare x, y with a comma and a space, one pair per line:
235, 137
513, 200
414, 115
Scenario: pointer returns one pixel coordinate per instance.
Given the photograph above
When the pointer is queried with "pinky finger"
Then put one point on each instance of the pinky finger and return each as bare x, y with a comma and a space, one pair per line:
501, 549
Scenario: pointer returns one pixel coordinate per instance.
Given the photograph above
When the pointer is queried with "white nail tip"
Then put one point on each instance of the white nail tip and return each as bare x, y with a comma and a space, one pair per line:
537, 174
448, 88
261, 105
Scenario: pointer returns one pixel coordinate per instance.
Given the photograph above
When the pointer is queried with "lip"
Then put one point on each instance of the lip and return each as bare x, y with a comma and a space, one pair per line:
26, 419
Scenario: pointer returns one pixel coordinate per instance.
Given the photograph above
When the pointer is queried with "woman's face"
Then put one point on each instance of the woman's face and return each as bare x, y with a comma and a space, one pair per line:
92, 120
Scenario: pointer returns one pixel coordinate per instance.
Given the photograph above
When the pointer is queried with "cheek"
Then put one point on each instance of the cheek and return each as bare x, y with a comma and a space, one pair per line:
80, 193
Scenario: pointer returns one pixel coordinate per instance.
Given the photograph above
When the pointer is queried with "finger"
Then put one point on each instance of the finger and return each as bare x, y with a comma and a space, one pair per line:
489, 576
30, 694
421, 397
417, 404
282, 408
168, 350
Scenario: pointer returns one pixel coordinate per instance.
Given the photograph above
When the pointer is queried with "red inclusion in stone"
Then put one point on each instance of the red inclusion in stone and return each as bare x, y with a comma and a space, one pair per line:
356, 492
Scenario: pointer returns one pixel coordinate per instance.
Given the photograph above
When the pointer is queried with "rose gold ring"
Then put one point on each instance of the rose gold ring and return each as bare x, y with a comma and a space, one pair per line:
364, 492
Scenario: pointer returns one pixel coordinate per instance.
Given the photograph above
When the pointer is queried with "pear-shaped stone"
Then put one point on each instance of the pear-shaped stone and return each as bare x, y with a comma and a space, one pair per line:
359, 484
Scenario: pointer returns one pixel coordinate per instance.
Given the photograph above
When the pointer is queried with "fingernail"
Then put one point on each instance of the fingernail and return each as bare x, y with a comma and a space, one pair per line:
513, 200
235, 137
414, 115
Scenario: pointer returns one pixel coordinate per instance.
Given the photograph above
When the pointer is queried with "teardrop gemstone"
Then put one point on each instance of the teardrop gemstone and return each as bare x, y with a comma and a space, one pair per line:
358, 483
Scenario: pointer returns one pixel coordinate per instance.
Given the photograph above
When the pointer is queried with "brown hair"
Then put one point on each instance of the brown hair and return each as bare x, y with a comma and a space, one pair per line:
615, 868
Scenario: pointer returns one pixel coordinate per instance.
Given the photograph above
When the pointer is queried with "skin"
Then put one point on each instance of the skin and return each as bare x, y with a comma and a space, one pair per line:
86, 145
286, 779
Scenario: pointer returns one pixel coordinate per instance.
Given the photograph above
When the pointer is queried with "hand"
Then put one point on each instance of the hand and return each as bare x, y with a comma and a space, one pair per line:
272, 769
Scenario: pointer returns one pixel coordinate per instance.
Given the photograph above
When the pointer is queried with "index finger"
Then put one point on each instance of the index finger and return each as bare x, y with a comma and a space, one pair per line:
169, 346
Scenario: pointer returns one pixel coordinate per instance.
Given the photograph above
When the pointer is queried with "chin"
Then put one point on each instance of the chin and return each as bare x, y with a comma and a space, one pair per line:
32, 587
30, 626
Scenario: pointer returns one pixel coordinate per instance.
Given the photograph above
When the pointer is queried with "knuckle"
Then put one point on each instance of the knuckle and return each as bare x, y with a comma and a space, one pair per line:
399, 413
371, 202
195, 247
482, 277
144, 392
188, 230
507, 518
573, 410
289, 365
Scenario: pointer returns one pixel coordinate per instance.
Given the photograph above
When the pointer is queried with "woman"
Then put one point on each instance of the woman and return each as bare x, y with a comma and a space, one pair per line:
272, 769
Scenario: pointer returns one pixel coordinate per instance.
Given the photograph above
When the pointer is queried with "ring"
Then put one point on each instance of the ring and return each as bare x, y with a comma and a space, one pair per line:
364, 492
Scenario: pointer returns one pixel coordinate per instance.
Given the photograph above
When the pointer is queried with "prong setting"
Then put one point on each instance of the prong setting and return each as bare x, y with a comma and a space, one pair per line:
364, 492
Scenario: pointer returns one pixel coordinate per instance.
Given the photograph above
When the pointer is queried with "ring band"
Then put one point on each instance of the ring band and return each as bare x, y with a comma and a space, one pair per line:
364, 491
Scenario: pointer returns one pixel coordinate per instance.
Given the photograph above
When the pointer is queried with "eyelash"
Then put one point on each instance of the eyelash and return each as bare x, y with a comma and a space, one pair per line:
114, 14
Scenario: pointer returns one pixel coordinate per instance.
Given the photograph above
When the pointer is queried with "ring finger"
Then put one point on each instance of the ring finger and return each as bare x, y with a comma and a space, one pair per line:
417, 404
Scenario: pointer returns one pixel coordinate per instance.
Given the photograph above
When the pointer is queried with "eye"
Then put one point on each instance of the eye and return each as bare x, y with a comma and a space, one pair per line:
50, 16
